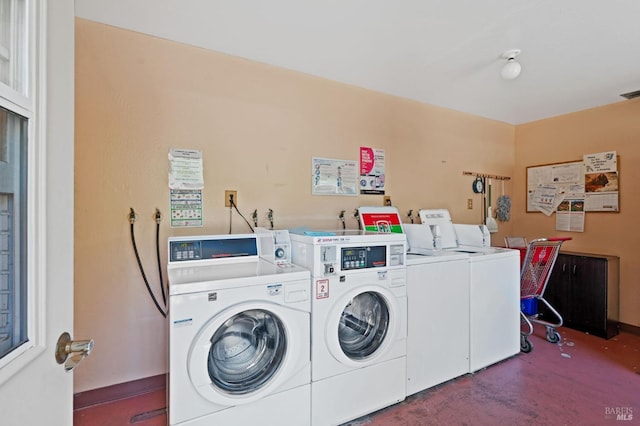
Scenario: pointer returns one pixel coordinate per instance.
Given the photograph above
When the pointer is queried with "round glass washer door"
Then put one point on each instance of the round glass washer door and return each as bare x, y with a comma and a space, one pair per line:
246, 351
364, 326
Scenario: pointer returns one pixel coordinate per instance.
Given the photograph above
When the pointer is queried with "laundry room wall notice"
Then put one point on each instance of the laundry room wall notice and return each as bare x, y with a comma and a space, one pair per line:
186, 181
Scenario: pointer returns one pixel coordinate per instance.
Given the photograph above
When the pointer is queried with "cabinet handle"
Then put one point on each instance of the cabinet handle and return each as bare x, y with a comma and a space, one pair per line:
564, 265
574, 269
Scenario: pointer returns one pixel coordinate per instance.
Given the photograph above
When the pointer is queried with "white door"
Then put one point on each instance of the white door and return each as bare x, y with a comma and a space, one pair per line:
34, 388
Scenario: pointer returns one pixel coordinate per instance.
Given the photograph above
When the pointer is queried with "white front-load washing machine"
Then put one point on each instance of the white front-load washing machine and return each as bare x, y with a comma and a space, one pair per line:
239, 336
358, 321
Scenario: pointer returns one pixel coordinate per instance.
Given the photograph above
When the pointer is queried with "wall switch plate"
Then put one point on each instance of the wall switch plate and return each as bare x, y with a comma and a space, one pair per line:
227, 197
386, 200
470, 203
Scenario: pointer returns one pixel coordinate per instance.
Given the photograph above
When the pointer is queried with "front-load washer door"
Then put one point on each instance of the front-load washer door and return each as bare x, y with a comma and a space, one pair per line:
362, 325
244, 353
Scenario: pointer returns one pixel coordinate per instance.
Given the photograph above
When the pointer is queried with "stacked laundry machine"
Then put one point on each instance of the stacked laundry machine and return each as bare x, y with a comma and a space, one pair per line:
239, 334
358, 321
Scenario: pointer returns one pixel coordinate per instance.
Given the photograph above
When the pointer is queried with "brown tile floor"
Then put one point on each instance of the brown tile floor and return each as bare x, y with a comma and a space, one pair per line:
584, 380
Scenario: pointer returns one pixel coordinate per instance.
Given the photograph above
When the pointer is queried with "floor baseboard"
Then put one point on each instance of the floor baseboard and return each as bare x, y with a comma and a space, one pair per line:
117, 392
628, 328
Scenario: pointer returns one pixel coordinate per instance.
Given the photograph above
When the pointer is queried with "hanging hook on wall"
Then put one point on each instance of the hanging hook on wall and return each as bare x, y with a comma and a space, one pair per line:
486, 176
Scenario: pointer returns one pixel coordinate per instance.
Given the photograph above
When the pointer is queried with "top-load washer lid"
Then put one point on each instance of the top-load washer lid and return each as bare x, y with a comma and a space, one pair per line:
472, 235
419, 239
442, 219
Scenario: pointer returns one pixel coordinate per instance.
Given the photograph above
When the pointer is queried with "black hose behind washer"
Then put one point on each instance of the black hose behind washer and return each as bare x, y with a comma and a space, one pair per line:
164, 293
132, 216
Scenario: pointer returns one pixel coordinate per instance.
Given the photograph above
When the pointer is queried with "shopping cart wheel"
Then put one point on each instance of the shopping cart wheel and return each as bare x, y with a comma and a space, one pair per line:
552, 335
525, 344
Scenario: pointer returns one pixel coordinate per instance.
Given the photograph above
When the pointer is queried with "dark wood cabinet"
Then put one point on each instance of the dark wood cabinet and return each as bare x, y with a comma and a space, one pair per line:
584, 289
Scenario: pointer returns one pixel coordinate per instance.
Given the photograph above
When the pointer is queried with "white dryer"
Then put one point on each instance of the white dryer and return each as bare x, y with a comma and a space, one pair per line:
359, 321
494, 290
239, 335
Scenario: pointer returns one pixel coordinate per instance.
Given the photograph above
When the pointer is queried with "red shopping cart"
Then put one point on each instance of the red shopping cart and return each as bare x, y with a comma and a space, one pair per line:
534, 275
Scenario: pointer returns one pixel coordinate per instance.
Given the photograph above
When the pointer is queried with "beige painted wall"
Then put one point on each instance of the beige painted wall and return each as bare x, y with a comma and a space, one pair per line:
614, 127
258, 126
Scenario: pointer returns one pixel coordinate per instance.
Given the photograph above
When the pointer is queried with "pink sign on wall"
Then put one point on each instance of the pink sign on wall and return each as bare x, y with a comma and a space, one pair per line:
372, 177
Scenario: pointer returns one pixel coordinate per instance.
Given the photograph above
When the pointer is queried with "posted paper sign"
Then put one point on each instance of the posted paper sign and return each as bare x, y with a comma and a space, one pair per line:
333, 177
570, 215
601, 162
185, 169
372, 178
601, 182
186, 208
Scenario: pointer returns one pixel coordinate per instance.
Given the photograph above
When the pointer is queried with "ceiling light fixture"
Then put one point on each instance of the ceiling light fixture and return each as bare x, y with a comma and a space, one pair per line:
512, 68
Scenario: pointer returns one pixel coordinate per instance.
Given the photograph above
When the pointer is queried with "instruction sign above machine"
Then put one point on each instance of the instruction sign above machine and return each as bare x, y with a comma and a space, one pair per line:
186, 181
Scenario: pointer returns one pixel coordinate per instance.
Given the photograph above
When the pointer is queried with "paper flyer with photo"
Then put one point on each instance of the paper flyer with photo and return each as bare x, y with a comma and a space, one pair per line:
372, 176
601, 182
570, 215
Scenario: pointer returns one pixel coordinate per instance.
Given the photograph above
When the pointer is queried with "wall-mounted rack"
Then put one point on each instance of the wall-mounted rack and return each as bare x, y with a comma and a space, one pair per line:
485, 175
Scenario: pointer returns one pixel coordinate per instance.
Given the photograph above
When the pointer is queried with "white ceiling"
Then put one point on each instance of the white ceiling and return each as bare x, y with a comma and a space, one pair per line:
576, 54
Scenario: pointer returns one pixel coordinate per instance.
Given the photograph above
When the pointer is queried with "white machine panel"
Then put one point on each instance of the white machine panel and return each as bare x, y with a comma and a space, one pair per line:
321, 252
275, 245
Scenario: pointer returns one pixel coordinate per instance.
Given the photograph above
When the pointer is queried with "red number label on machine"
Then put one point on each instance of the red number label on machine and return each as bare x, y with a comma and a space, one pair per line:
322, 289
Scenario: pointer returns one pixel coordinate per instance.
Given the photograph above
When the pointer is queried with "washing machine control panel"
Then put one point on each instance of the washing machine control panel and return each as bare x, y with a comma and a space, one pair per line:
213, 248
363, 257
185, 250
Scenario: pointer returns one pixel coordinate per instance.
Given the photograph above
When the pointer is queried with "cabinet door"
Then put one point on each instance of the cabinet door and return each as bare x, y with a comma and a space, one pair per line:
589, 283
559, 291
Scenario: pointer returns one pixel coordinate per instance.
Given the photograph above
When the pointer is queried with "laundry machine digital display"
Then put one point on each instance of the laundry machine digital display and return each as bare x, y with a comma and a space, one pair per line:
363, 257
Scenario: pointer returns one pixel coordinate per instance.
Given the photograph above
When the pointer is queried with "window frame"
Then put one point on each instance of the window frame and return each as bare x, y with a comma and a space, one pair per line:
32, 106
